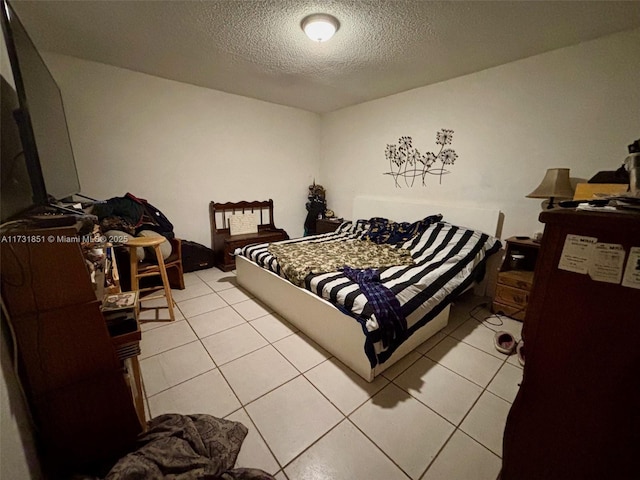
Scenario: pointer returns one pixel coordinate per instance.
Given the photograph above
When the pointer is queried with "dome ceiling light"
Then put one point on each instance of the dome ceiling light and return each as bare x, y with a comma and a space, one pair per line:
320, 27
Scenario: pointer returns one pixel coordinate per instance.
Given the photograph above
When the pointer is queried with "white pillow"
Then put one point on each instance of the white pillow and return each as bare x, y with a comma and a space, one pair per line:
118, 237
165, 247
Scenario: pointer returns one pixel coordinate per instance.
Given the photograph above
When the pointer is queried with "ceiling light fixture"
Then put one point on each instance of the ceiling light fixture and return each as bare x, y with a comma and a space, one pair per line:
320, 27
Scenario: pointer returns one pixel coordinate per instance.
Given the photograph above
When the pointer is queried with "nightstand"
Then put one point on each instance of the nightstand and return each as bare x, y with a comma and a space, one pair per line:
327, 225
515, 278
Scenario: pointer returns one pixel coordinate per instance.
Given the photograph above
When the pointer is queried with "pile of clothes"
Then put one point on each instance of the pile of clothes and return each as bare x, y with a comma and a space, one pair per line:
131, 215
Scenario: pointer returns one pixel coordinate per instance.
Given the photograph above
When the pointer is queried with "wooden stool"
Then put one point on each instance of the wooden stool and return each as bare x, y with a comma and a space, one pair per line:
138, 271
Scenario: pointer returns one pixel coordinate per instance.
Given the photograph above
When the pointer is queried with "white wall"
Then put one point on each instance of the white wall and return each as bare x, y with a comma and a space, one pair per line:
181, 146
577, 107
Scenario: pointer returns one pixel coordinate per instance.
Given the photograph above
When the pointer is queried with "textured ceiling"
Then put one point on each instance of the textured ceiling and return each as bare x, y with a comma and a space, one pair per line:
257, 48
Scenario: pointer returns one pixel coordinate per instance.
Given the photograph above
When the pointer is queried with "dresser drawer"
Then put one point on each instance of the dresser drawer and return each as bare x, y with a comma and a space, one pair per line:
511, 295
516, 278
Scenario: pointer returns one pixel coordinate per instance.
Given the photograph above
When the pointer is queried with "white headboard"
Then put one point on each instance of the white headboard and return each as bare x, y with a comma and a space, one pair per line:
409, 210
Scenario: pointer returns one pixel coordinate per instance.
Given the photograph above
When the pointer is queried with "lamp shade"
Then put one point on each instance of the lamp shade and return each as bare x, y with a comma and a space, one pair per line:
555, 184
320, 27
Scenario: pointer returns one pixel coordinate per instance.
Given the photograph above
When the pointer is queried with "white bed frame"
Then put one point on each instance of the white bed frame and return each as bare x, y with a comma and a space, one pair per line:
334, 331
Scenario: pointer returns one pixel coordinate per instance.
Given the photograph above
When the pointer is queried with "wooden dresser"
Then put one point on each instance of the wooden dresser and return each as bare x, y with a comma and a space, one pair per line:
515, 278
74, 381
577, 413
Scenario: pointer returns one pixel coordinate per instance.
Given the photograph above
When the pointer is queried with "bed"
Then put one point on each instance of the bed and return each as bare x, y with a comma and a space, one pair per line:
343, 334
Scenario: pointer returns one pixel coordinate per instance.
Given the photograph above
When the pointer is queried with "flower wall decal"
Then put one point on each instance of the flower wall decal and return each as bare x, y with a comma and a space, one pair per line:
406, 161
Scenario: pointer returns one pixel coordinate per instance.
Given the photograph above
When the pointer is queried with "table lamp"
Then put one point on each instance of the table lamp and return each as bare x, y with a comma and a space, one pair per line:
555, 184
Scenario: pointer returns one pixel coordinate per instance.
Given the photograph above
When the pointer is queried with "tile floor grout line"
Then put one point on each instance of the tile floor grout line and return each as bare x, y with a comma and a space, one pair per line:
164, 322
443, 366
479, 322
236, 310
471, 345
476, 441
421, 402
506, 362
196, 296
198, 339
446, 442
296, 368
221, 372
191, 298
326, 397
221, 287
282, 467
268, 391
452, 371
313, 443
460, 375
259, 332
255, 426
216, 366
201, 313
146, 399
220, 331
193, 330
181, 383
455, 427
281, 338
222, 364
155, 327
484, 389
474, 404
283, 473
241, 356
271, 390
170, 349
378, 446
404, 369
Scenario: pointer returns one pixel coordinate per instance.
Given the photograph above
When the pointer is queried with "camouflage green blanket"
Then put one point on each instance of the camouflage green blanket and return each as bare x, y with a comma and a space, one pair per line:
297, 260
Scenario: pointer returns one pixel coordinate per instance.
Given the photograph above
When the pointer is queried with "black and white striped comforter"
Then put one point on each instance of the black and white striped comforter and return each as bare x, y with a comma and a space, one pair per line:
447, 259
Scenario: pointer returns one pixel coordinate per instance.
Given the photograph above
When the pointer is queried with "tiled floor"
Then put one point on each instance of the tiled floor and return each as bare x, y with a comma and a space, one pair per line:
439, 413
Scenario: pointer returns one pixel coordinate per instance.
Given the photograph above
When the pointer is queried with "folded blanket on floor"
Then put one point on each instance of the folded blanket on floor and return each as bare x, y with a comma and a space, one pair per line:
187, 447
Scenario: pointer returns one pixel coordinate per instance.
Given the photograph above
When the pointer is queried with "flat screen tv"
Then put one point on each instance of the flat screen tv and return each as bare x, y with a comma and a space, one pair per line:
41, 118
15, 182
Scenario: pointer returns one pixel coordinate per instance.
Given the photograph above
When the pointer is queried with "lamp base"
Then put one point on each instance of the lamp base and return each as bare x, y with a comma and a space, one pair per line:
549, 204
